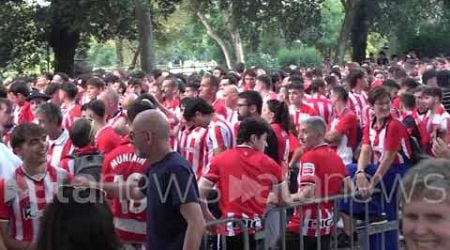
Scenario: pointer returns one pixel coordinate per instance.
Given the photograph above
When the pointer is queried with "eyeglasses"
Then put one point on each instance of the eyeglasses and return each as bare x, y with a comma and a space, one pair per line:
80, 194
242, 105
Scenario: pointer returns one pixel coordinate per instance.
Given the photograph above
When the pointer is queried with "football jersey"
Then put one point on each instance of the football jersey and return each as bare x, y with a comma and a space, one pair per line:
59, 148
106, 139
321, 105
26, 199
193, 147
70, 114
220, 135
300, 114
244, 177
283, 143
324, 169
346, 125
122, 165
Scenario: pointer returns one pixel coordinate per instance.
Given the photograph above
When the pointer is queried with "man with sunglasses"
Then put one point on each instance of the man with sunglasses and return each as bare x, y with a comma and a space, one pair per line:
30, 189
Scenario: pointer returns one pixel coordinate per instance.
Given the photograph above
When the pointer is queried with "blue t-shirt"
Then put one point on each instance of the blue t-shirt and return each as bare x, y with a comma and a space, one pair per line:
171, 183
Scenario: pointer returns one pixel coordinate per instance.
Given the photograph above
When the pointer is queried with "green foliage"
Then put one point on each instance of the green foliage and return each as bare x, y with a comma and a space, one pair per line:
264, 60
102, 54
332, 14
301, 56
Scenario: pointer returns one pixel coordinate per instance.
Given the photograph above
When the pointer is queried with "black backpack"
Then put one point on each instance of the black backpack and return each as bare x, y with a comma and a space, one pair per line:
88, 165
417, 153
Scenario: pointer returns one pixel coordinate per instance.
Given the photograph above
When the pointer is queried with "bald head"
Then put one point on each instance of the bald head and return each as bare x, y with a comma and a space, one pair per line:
153, 121
128, 100
231, 95
109, 95
231, 89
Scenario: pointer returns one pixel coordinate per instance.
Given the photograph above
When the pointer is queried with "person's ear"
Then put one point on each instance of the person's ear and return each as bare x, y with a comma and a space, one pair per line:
252, 108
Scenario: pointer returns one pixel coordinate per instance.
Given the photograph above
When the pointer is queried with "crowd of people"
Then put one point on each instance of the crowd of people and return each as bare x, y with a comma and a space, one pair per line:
127, 160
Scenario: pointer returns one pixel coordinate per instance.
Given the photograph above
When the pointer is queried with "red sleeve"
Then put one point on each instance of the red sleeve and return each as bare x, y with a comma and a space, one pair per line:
276, 170
220, 109
395, 134
313, 112
213, 172
345, 123
366, 135
307, 169
4, 209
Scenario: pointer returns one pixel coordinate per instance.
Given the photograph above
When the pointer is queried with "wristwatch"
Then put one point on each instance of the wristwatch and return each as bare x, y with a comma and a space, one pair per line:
359, 172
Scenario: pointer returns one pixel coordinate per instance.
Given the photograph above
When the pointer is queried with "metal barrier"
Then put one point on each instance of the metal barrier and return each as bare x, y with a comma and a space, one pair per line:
363, 232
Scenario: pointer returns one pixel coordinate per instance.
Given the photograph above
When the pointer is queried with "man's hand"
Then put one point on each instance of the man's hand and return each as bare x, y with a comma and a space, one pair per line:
440, 148
364, 187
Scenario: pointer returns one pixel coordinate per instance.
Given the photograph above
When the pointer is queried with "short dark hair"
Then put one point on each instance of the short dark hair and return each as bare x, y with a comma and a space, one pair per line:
222, 71
317, 84
341, 92
433, 91
81, 133
240, 67
213, 81
96, 82
408, 100
410, 84
192, 85
63, 75
331, 80
24, 131
230, 77
96, 106
427, 75
52, 88
266, 80
70, 89
252, 98
354, 75
197, 105
250, 72
137, 107
252, 126
391, 84
443, 78
19, 87
378, 93
296, 86
51, 111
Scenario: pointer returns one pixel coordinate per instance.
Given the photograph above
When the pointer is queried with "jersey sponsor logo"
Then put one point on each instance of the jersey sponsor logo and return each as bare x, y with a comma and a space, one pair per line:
308, 169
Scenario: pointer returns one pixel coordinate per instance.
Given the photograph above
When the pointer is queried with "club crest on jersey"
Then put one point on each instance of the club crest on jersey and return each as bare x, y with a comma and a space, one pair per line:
30, 213
308, 169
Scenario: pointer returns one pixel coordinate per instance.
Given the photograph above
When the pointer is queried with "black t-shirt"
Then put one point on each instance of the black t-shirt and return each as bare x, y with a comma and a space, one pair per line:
171, 183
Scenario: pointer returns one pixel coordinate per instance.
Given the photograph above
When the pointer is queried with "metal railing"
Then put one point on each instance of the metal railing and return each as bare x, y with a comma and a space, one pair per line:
364, 233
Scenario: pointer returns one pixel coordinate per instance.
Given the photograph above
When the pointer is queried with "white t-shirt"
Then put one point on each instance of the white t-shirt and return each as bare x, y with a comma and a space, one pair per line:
9, 162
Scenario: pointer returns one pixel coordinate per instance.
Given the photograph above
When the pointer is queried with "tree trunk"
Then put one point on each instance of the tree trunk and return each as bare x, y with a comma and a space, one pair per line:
119, 51
64, 44
135, 58
360, 31
233, 29
211, 33
349, 9
145, 30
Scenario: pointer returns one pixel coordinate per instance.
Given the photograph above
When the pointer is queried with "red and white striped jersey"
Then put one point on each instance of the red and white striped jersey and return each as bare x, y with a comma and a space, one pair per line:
357, 102
232, 117
391, 137
321, 105
26, 199
298, 115
118, 115
345, 124
70, 114
193, 147
123, 166
23, 114
220, 135
59, 148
